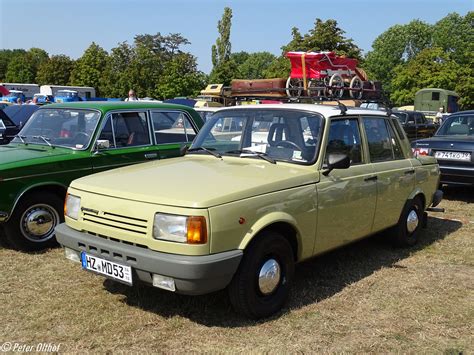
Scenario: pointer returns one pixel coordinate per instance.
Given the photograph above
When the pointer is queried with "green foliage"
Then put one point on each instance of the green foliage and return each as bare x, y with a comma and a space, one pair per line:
397, 45
324, 36
255, 66
56, 70
154, 66
23, 65
223, 67
180, 78
6, 56
279, 68
89, 69
410, 57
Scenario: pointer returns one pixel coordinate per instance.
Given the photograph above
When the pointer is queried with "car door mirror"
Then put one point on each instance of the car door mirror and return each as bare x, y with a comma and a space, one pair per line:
102, 144
337, 161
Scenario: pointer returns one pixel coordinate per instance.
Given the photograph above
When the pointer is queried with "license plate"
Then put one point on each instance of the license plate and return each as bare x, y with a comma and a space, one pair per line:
108, 268
453, 156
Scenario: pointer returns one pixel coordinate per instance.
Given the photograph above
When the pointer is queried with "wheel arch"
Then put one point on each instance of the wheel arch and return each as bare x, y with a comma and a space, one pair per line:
279, 222
418, 193
52, 187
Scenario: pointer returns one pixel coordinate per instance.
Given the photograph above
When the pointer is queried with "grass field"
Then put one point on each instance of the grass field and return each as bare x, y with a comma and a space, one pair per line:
367, 297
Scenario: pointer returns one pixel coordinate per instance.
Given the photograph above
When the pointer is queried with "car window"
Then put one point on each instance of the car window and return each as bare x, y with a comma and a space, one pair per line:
462, 124
418, 118
172, 127
279, 134
344, 138
378, 138
130, 129
396, 148
62, 127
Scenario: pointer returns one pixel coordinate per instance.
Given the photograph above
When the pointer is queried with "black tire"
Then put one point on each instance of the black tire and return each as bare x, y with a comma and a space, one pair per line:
246, 293
405, 233
45, 212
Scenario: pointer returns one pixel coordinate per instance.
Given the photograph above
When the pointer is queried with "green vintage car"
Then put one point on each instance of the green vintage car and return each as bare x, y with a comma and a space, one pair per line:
62, 142
261, 188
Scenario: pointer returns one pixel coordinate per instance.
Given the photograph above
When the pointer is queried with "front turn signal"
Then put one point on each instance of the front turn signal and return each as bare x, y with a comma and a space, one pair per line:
196, 231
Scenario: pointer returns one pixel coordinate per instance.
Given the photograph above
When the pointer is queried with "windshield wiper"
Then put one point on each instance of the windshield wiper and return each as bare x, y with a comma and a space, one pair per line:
45, 139
207, 150
245, 153
21, 138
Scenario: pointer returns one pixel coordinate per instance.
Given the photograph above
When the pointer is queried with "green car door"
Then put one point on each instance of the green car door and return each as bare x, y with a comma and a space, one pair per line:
125, 138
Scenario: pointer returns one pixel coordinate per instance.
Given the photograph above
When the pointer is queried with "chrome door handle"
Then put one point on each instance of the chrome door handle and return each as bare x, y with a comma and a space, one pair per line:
372, 178
151, 155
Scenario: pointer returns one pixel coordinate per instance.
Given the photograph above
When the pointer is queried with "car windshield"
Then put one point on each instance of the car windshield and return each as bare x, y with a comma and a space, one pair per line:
280, 135
458, 125
69, 128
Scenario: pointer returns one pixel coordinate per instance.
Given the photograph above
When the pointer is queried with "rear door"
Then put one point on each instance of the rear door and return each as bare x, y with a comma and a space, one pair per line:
394, 173
346, 197
171, 130
130, 140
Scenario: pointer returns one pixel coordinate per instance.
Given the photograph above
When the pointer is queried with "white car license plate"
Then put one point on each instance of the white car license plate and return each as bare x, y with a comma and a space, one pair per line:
108, 268
453, 156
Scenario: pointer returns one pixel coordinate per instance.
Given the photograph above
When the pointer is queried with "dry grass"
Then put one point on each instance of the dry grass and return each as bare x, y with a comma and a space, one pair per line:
368, 297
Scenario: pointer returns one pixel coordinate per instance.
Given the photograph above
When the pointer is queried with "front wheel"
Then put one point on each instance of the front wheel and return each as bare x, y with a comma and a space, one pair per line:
31, 226
262, 283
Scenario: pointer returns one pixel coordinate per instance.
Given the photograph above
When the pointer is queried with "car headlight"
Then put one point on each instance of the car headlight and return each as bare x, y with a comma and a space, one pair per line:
72, 206
181, 229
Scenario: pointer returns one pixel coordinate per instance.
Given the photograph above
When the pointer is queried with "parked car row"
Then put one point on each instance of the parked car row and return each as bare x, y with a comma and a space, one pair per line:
453, 147
235, 204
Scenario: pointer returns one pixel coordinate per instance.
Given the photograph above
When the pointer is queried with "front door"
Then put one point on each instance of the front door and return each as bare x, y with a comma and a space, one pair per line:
346, 197
130, 142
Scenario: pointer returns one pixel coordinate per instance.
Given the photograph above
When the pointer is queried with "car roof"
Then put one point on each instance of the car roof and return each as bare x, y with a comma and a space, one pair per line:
325, 110
105, 106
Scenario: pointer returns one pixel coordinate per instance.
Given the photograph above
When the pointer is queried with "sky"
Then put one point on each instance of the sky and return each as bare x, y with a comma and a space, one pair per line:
63, 27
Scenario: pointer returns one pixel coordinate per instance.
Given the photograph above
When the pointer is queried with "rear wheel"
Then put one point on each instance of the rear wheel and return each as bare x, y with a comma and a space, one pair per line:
294, 87
262, 283
31, 226
405, 233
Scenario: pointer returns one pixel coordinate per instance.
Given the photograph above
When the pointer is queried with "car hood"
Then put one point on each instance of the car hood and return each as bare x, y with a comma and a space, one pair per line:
17, 153
197, 181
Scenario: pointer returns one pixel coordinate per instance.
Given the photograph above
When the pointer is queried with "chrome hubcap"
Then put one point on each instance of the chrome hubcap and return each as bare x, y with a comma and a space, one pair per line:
412, 221
38, 222
269, 276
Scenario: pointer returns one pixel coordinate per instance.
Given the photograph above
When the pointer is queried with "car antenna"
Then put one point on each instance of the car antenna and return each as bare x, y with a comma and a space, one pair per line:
342, 107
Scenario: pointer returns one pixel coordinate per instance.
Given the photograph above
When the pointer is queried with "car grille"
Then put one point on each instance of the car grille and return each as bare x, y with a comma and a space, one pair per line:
116, 222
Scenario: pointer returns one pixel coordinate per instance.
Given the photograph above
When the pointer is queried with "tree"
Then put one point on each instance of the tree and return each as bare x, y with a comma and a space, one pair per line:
89, 69
23, 65
6, 56
180, 78
432, 67
255, 66
57, 70
223, 67
398, 45
324, 36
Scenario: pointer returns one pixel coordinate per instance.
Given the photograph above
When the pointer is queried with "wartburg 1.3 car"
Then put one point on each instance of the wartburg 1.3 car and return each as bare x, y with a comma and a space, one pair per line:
62, 142
288, 182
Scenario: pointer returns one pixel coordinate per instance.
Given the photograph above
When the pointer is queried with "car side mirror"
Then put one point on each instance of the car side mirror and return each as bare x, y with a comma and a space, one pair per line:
102, 144
337, 161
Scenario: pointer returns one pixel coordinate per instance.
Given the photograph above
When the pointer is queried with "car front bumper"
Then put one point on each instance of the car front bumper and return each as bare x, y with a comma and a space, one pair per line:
193, 275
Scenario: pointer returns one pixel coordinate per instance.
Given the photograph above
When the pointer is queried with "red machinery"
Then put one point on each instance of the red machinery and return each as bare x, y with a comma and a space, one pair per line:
326, 74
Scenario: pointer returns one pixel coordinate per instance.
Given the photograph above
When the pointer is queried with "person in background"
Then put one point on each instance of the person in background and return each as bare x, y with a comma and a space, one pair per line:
131, 96
439, 115
34, 101
19, 101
